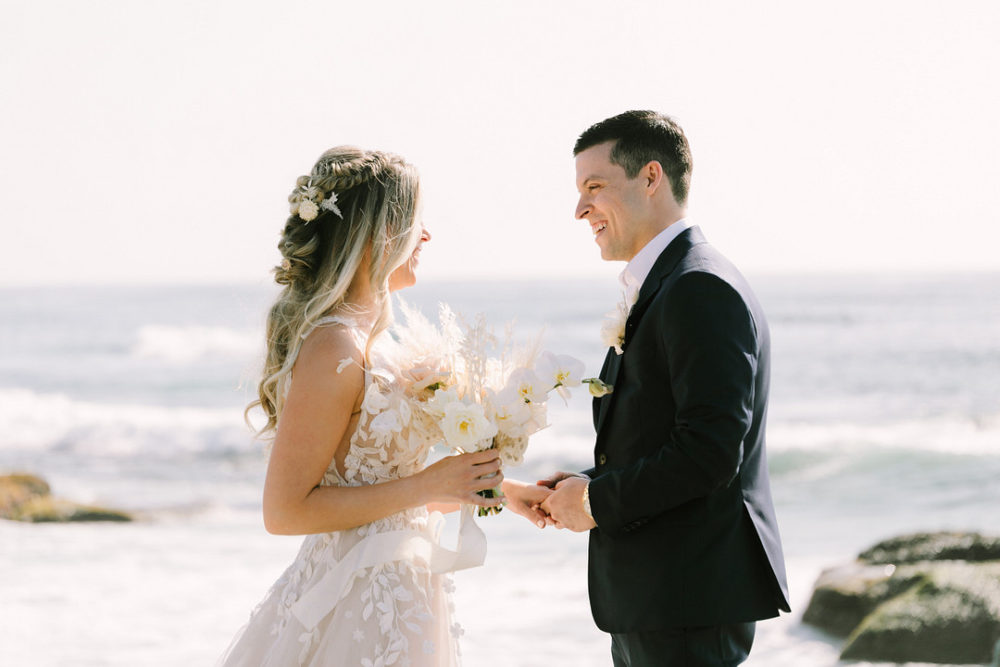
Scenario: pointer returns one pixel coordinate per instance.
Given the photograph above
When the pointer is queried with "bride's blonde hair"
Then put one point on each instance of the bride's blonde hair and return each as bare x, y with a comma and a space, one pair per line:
374, 197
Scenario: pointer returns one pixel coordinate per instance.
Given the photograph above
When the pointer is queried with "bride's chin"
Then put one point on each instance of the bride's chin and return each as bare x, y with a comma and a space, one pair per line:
403, 281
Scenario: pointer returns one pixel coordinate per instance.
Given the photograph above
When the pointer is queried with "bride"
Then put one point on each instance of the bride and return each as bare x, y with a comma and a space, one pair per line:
369, 585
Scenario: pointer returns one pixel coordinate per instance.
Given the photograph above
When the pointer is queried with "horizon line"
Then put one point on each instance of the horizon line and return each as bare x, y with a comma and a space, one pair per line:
266, 281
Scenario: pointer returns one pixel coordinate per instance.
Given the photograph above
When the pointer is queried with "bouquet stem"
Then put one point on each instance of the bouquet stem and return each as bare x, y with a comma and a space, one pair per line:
495, 492
490, 493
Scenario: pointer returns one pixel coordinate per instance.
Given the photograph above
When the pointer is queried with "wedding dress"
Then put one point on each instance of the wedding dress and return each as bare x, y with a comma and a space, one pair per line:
379, 594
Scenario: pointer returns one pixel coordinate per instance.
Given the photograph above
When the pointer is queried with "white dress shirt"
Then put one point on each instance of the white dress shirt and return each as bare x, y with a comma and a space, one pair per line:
635, 272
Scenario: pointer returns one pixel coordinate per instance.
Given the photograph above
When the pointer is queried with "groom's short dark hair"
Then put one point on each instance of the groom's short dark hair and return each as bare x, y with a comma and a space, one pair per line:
641, 137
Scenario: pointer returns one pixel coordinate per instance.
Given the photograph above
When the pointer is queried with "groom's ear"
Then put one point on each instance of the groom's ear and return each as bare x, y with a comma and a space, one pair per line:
653, 177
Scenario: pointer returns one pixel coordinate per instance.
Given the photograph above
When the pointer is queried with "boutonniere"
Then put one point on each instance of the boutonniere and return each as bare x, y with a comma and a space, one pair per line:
597, 387
613, 329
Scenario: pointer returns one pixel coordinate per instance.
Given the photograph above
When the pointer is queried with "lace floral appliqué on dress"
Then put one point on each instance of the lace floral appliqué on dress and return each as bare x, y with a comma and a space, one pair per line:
379, 594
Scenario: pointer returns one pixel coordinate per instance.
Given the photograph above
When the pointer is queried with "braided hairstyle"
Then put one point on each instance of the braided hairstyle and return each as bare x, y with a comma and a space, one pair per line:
354, 203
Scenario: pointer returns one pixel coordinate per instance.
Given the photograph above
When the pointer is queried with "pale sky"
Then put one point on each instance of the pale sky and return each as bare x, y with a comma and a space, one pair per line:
157, 141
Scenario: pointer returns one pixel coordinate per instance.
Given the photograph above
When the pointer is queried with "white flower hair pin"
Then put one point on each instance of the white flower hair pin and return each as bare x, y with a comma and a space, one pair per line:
330, 204
312, 201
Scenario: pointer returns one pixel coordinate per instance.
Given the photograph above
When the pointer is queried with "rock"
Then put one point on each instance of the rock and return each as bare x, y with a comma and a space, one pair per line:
929, 597
15, 490
933, 546
28, 498
844, 596
951, 615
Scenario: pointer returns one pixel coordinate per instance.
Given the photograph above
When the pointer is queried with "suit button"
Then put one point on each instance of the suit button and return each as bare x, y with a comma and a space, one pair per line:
602, 459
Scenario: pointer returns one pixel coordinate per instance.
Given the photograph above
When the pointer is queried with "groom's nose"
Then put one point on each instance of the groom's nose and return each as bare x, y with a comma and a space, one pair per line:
582, 209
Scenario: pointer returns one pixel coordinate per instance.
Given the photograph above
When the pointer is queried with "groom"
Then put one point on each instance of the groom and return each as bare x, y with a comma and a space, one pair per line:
684, 548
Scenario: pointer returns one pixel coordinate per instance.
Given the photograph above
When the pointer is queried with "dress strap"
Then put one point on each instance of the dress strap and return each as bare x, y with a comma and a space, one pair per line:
336, 319
327, 321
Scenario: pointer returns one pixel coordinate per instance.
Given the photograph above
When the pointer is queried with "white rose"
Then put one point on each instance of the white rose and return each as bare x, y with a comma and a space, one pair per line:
424, 379
466, 425
441, 399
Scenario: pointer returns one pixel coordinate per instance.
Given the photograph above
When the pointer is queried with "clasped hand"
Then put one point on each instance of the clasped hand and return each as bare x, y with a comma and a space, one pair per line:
554, 501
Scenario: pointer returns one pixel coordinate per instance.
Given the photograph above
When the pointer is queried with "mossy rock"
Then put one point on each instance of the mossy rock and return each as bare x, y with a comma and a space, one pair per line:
54, 510
843, 596
928, 597
25, 497
17, 489
933, 546
952, 616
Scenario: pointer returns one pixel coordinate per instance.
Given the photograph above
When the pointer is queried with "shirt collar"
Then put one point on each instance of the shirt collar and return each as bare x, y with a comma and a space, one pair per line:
635, 272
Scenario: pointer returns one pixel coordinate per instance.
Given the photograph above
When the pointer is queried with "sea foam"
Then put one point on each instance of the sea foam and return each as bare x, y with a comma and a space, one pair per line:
51, 422
188, 344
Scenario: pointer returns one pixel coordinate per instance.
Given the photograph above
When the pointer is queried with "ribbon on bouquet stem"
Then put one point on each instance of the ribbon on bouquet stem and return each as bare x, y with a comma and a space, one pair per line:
377, 548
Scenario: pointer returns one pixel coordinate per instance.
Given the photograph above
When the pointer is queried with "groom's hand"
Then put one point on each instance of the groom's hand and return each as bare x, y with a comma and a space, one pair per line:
557, 477
525, 499
565, 505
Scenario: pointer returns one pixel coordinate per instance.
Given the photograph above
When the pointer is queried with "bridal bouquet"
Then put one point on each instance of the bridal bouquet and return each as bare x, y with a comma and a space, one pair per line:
475, 391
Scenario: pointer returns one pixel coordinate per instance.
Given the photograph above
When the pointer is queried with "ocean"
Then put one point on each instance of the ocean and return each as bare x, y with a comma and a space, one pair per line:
884, 419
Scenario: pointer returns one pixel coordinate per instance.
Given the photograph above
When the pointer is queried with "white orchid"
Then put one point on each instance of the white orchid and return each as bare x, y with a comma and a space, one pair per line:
465, 425
538, 419
562, 370
525, 383
462, 393
510, 412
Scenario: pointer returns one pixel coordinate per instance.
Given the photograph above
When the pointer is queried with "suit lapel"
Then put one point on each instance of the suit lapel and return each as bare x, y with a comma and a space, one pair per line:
663, 267
612, 364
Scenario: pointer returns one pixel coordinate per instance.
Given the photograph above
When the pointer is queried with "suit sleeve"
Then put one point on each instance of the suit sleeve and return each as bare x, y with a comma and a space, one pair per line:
708, 339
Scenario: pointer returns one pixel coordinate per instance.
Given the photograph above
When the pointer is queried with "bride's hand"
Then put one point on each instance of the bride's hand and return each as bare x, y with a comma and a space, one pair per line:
526, 499
456, 479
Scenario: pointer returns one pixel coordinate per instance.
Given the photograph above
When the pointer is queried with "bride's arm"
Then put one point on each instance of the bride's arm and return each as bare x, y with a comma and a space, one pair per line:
444, 508
314, 421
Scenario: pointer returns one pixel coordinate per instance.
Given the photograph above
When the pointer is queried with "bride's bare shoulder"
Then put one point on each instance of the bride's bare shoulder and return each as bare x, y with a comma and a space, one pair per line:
331, 354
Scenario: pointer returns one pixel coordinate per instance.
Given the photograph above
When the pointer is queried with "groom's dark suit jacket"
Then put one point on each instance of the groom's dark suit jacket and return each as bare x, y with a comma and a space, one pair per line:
686, 533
